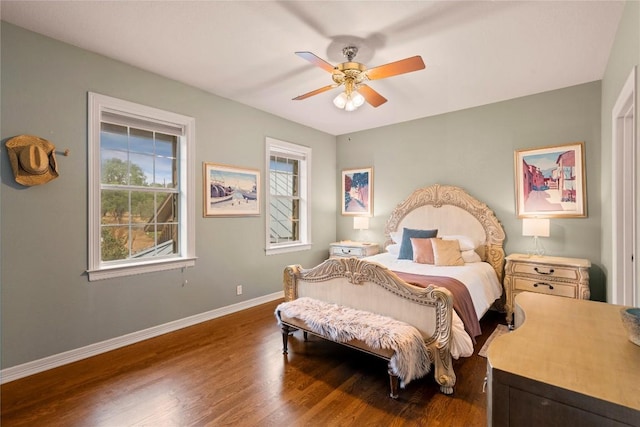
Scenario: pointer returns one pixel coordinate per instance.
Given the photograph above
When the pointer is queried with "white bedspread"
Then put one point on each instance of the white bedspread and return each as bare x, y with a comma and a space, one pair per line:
479, 277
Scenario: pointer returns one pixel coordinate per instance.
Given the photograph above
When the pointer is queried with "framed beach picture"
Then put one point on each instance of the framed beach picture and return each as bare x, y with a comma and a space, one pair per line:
357, 192
550, 181
230, 191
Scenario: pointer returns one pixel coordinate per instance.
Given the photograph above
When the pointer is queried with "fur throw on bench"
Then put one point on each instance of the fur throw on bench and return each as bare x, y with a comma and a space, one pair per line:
342, 324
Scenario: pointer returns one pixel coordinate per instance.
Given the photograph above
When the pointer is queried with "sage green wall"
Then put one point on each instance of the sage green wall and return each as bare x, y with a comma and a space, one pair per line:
474, 149
625, 54
48, 305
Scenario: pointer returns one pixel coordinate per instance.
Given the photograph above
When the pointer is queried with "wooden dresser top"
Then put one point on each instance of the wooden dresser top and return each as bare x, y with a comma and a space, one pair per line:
572, 344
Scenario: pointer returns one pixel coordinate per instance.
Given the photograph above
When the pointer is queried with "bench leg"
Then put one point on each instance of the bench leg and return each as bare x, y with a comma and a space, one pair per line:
393, 382
285, 338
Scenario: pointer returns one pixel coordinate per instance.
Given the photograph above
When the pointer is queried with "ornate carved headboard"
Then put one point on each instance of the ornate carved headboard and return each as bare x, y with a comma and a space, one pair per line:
452, 211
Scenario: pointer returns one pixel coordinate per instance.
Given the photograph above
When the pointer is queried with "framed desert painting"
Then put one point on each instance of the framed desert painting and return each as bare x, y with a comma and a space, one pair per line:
230, 190
550, 181
357, 192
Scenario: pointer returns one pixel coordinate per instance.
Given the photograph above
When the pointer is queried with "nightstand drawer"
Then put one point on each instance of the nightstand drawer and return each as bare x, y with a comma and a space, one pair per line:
542, 286
353, 249
544, 270
347, 251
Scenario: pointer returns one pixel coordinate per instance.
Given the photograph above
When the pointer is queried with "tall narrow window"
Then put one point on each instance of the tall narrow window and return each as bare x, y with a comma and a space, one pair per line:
141, 182
288, 196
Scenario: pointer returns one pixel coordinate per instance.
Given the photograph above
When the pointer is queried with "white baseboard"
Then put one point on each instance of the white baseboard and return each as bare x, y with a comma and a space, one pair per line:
50, 362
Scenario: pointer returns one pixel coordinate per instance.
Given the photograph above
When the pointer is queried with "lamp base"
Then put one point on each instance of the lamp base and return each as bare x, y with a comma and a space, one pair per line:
538, 249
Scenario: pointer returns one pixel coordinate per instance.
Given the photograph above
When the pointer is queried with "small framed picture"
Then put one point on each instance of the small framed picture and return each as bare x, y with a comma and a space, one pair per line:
357, 192
230, 190
550, 181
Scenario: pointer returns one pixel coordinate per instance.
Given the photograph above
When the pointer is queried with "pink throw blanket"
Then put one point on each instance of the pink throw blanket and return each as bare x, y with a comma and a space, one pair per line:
462, 303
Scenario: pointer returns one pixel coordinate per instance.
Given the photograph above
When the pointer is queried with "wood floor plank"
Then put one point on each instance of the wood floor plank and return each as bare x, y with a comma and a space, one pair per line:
231, 371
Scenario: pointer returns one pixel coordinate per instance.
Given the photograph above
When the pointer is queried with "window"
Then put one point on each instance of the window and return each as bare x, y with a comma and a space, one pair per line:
141, 187
288, 222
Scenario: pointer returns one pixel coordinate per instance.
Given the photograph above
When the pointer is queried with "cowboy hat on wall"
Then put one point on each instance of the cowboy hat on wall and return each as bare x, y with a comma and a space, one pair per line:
32, 159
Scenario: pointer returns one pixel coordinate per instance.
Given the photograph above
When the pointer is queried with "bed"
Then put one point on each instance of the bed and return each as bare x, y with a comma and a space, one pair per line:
397, 288
455, 215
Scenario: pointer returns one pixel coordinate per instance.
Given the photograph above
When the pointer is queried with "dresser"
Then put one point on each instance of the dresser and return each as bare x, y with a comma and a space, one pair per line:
565, 277
567, 363
347, 248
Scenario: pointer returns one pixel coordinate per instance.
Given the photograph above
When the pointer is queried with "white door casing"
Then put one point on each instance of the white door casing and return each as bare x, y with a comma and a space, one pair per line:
624, 276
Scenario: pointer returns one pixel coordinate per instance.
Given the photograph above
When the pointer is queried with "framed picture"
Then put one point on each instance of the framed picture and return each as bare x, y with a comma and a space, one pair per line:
230, 191
550, 181
357, 192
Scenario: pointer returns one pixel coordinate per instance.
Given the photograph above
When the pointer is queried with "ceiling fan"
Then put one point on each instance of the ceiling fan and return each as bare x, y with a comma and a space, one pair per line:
353, 75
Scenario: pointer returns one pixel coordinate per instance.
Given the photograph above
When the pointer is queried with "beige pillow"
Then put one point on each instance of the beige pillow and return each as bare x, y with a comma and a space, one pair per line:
446, 252
422, 250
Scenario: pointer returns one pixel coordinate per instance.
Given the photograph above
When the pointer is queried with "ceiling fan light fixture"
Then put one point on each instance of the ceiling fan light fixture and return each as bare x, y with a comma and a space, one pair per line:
350, 106
340, 101
357, 99
348, 102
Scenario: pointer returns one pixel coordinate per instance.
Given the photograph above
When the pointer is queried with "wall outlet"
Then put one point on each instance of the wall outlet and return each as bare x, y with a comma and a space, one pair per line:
239, 290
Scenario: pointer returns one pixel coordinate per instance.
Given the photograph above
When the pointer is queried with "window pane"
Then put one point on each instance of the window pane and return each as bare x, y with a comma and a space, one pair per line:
143, 243
284, 220
141, 141
113, 137
113, 167
166, 145
166, 172
142, 207
167, 238
114, 206
282, 184
140, 169
167, 207
114, 243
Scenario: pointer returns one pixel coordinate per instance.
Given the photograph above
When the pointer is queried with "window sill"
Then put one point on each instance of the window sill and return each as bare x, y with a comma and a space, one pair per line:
289, 248
130, 270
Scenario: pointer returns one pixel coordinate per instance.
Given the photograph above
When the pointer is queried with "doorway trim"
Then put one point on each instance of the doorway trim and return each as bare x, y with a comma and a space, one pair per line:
624, 194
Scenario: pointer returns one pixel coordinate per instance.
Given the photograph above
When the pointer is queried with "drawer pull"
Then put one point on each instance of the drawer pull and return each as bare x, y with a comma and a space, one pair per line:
346, 251
535, 285
551, 270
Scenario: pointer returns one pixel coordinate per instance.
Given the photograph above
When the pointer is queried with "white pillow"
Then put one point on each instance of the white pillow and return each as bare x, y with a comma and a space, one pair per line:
394, 249
466, 243
396, 236
470, 256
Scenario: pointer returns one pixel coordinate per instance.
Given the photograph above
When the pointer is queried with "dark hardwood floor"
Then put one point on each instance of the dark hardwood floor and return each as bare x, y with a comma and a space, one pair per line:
231, 371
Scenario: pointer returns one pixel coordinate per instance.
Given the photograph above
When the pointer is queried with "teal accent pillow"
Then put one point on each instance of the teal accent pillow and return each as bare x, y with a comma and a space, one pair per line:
406, 250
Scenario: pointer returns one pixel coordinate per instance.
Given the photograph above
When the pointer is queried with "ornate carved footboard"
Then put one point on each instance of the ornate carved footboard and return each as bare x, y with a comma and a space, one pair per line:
368, 286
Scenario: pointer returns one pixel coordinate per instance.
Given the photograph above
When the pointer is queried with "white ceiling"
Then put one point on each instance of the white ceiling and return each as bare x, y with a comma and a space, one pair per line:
475, 53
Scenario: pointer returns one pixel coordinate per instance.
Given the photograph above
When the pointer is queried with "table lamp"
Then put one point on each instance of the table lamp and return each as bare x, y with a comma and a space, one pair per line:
536, 227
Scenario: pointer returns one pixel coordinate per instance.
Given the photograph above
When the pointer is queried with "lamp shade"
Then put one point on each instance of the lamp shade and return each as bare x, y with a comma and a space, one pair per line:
341, 100
360, 222
538, 227
358, 99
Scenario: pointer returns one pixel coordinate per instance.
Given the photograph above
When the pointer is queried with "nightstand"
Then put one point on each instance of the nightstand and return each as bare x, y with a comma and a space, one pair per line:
565, 277
348, 248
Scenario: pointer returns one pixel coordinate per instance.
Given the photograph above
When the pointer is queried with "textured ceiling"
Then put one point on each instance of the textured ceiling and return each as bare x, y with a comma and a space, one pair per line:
476, 53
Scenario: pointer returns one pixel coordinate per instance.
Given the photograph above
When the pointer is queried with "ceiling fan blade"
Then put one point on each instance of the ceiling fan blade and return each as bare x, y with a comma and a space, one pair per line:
407, 65
315, 92
371, 96
319, 62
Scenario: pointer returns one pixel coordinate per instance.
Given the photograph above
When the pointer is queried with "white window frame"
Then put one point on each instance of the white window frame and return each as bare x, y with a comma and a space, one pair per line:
284, 149
97, 270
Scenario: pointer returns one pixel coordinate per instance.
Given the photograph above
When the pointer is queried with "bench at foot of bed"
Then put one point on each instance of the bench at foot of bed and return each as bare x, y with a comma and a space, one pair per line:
399, 343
